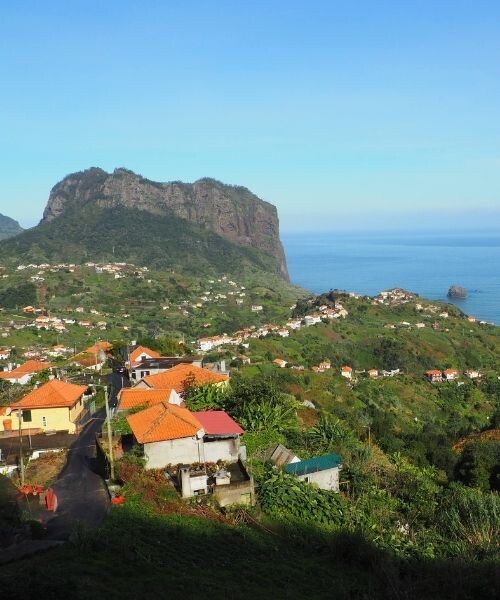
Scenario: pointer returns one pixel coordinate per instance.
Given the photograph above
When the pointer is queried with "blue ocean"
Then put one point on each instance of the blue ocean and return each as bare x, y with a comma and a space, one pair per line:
425, 263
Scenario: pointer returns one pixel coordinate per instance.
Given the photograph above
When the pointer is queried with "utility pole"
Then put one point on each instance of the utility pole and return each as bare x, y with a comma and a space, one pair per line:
21, 460
110, 437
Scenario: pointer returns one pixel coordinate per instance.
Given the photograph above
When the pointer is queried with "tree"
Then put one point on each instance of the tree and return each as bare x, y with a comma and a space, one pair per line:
479, 465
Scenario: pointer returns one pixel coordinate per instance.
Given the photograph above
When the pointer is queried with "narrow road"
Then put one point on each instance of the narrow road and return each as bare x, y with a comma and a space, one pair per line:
81, 494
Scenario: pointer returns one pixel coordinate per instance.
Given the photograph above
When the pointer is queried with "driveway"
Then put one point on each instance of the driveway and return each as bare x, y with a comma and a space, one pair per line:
81, 493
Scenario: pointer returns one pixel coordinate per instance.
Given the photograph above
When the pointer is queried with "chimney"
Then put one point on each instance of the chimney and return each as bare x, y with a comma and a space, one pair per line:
185, 482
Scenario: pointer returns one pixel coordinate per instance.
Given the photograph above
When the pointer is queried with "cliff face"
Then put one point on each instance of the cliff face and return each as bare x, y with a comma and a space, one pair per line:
229, 211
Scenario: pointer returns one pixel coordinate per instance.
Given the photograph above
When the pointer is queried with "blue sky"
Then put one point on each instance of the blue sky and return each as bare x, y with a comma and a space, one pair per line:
346, 115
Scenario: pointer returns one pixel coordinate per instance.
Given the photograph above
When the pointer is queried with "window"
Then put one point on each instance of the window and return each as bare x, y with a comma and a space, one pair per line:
44, 421
27, 416
306, 479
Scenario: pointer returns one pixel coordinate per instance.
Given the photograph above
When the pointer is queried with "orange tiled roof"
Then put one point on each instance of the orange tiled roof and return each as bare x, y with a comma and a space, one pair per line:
432, 372
53, 394
450, 371
163, 422
134, 355
90, 356
30, 366
176, 376
133, 397
102, 345
346, 369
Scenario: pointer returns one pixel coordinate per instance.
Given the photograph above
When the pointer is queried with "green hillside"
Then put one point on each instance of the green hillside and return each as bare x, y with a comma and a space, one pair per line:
8, 227
121, 234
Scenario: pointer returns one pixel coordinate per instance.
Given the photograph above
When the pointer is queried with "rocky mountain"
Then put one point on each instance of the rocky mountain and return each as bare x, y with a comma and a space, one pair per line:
8, 227
202, 227
232, 212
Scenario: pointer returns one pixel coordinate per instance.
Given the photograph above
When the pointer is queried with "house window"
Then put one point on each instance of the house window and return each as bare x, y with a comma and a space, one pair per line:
306, 479
44, 421
27, 416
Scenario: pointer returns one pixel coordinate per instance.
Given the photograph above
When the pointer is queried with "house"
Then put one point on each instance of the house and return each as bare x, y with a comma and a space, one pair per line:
177, 377
434, 375
58, 350
140, 353
23, 373
280, 363
321, 470
472, 374
4, 353
346, 371
222, 436
257, 308
173, 435
373, 373
281, 456
154, 366
54, 406
325, 365
94, 357
129, 398
312, 320
451, 374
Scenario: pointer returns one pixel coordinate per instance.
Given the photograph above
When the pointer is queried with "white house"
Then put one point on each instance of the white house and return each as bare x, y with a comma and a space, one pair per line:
472, 374
312, 320
173, 435
23, 373
346, 372
451, 374
320, 470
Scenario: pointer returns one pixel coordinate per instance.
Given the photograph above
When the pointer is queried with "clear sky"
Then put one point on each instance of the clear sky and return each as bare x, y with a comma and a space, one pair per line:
345, 114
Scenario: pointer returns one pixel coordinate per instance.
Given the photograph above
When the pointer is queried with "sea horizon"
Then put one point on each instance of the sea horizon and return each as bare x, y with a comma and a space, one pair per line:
426, 263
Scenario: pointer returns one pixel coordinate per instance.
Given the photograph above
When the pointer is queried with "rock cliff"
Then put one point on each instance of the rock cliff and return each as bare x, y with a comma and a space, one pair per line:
232, 212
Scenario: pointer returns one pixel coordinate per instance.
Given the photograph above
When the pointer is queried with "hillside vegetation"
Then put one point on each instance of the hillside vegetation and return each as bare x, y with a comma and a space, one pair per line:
8, 227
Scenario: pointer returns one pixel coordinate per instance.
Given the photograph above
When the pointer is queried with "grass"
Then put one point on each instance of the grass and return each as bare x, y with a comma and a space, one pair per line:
137, 551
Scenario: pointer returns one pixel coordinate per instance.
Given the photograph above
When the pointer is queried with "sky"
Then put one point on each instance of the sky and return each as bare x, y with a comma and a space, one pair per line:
345, 115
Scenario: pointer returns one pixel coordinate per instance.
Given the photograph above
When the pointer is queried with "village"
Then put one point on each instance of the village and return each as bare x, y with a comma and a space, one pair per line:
129, 400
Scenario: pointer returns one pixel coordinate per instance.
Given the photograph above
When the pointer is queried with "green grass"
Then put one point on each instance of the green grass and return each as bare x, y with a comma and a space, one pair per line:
137, 553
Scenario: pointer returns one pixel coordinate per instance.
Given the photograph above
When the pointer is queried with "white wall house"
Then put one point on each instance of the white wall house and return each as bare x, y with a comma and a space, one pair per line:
173, 435
321, 470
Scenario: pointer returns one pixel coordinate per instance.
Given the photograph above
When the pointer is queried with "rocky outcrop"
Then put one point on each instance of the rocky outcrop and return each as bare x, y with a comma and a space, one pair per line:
232, 212
457, 291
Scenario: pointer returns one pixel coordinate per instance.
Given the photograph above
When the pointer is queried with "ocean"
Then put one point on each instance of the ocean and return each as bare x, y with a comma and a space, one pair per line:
424, 263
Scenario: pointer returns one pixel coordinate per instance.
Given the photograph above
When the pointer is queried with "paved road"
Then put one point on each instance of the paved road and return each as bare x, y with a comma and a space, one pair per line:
81, 493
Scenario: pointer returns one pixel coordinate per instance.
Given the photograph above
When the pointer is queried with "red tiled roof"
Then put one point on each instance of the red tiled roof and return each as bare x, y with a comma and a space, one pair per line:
133, 397
30, 366
176, 376
218, 422
432, 372
53, 394
163, 422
